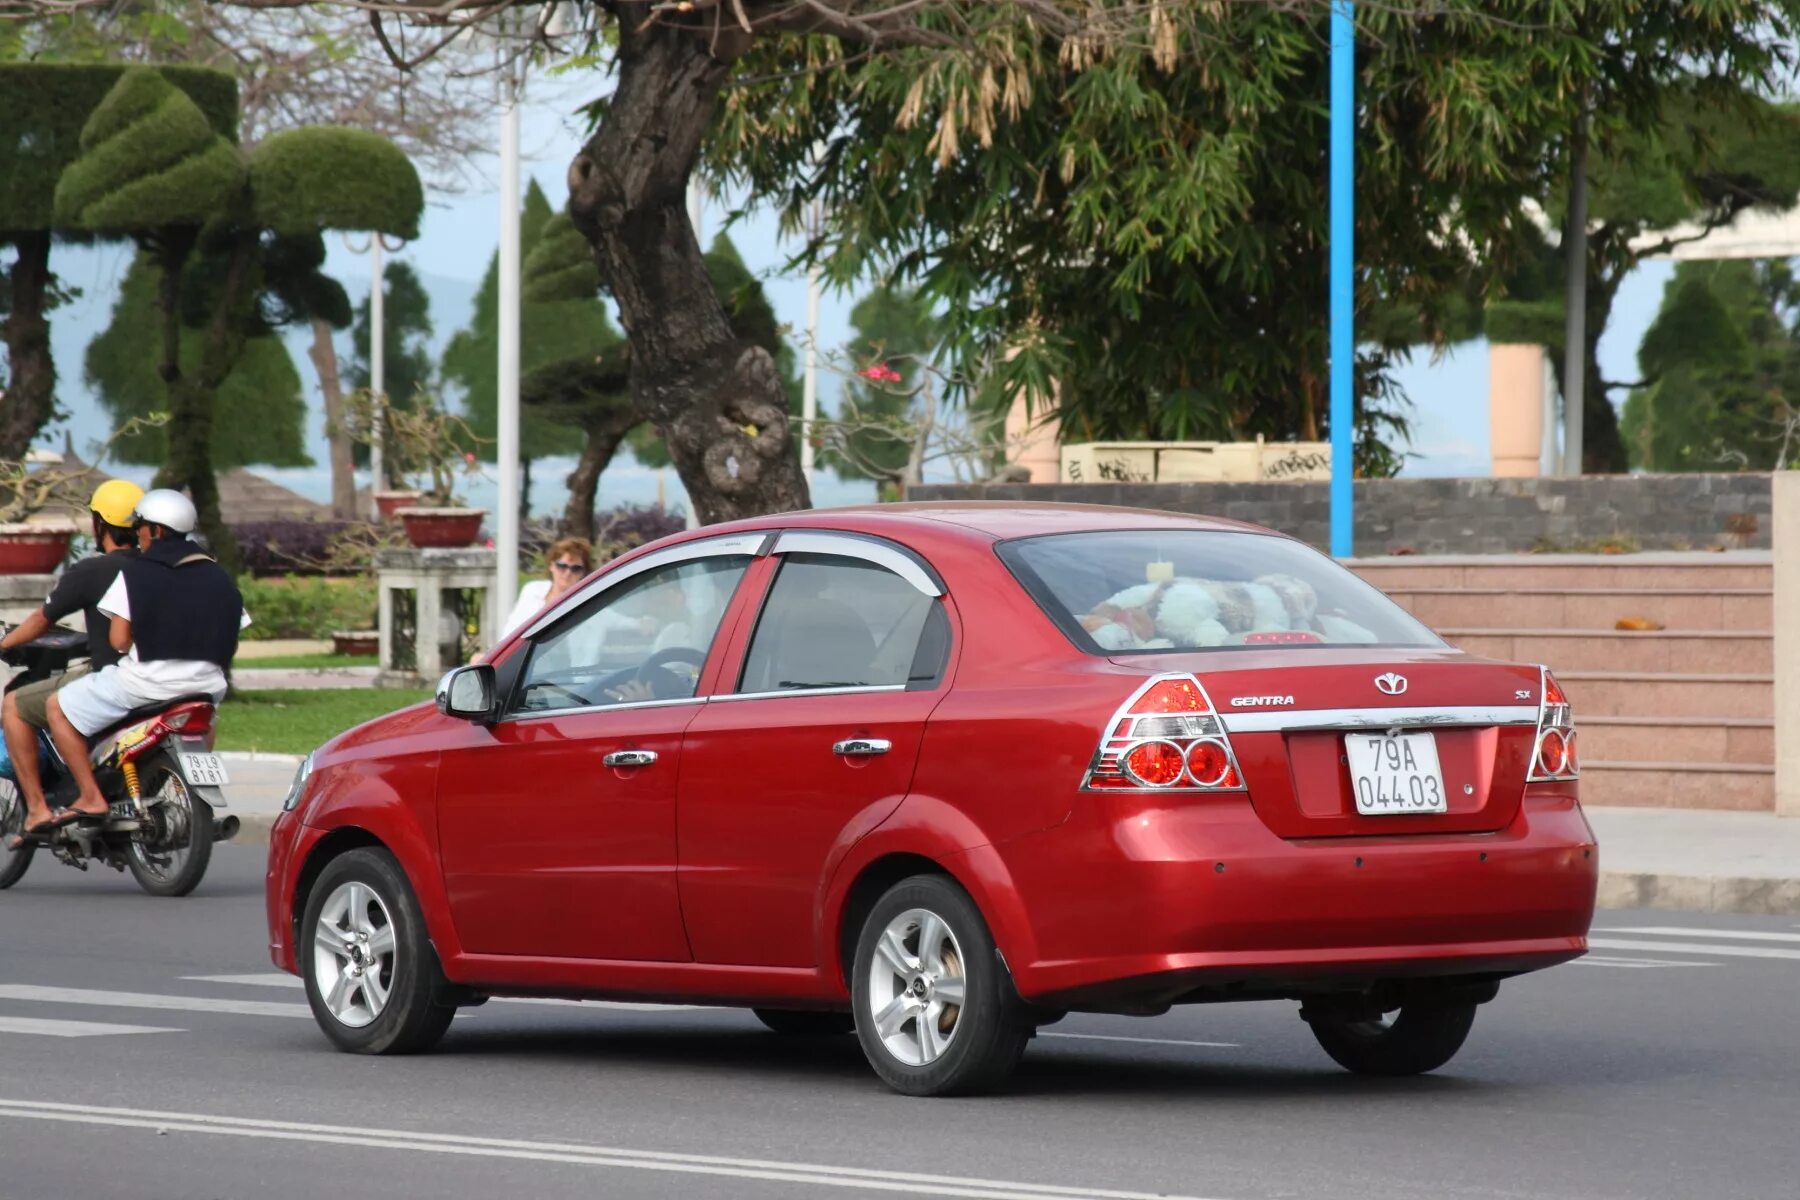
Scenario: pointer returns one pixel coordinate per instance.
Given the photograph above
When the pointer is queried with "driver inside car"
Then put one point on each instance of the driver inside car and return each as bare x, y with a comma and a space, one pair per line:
666, 619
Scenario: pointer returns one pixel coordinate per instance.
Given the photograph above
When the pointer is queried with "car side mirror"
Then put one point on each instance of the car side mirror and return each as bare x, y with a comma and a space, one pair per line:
468, 692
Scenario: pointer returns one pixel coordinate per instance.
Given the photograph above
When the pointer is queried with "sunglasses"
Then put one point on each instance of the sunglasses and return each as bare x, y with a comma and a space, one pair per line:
572, 568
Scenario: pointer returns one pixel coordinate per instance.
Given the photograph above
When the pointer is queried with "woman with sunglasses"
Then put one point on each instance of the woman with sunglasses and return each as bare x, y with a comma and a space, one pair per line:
571, 560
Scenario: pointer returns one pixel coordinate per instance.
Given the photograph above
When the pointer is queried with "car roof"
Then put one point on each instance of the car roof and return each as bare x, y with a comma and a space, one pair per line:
990, 520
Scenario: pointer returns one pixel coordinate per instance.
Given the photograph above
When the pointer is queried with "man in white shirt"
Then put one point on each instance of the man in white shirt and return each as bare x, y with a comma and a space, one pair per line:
178, 614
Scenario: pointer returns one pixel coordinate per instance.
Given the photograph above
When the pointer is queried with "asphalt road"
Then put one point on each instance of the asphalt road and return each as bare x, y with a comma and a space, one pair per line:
151, 1052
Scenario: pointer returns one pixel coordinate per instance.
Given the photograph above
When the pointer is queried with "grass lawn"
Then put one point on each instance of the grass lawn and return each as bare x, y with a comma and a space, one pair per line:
296, 721
304, 661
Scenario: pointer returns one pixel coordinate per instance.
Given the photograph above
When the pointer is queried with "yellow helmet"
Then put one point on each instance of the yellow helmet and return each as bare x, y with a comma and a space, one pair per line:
115, 501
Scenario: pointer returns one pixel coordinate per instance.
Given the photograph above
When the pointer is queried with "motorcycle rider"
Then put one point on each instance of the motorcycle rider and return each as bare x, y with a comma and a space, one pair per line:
78, 589
175, 615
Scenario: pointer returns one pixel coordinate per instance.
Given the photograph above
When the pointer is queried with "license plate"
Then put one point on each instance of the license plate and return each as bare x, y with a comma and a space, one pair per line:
1396, 773
208, 770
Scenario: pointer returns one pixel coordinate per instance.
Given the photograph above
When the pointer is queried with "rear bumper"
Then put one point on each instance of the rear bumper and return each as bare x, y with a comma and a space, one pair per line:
1130, 902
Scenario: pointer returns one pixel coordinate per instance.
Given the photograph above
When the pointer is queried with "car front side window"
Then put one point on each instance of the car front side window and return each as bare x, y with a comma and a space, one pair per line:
643, 641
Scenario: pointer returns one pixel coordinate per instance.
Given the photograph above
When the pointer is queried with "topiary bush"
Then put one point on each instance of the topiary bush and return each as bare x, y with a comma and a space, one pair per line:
330, 177
560, 266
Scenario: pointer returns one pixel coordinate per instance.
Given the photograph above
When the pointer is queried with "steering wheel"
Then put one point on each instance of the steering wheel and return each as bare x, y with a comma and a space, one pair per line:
671, 654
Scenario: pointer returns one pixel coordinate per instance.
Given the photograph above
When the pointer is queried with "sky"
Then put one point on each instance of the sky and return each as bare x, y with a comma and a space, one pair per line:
460, 231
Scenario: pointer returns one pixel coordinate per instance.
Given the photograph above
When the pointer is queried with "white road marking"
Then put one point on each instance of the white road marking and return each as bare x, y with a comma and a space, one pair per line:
1620, 960
560, 1152
1747, 935
281, 979
105, 999
1692, 948
45, 1027
1148, 1041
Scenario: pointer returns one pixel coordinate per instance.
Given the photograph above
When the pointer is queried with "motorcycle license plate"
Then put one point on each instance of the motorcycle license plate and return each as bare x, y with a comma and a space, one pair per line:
1394, 774
208, 770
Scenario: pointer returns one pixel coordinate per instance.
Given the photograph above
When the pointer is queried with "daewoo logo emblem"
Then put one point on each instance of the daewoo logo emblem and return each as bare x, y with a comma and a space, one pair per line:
1390, 684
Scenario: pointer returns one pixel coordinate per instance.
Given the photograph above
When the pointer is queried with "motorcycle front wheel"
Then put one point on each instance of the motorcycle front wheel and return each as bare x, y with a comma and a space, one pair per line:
13, 863
169, 855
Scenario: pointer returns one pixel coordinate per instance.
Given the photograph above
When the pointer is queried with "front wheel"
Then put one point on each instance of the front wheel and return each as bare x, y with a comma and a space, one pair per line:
170, 853
13, 863
372, 976
935, 1012
1412, 1041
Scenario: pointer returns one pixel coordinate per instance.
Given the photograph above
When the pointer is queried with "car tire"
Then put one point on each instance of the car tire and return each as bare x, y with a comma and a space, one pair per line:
1417, 1039
929, 937
795, 1023
377, 990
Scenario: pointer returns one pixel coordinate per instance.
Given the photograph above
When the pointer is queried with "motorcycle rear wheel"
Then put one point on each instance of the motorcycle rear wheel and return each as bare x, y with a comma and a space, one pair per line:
176, 862
13, 863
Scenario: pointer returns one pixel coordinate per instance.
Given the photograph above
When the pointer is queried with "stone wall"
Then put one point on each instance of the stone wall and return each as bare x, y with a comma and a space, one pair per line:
1457, 516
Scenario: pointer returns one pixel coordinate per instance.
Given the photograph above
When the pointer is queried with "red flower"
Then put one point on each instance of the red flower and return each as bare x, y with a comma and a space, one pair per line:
880, 373
469, 457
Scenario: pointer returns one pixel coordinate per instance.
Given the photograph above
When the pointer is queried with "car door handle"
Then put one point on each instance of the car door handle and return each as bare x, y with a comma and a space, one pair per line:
630, 758
861, 747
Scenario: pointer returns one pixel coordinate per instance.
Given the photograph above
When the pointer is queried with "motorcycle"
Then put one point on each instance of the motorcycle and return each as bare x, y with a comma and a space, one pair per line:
161, 780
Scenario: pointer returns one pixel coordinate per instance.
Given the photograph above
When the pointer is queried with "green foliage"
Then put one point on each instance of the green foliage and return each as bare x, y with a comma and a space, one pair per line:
257, 415
899, 329
1723, 360
560, 266
407, 369
1525, 323
46, 105
149, 160
306, 606
295, 286
332, 177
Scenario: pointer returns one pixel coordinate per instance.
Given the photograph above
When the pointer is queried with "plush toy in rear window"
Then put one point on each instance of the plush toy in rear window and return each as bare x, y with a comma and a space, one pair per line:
1189, 613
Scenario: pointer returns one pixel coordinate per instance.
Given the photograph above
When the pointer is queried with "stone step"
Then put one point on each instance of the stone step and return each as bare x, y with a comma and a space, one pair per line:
1658, 784
1646, 572
1637, 694
1745, 741
1588, 608
1673, 652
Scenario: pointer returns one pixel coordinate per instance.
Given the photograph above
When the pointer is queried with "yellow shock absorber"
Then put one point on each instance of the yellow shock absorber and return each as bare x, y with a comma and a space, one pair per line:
129, 769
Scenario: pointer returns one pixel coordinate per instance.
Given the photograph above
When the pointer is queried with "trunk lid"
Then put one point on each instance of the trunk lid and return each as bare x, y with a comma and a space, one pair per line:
1289, 709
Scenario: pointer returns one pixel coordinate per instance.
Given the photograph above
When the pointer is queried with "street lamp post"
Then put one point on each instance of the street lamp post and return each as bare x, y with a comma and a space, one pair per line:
376, 248
1343, 279
506, 450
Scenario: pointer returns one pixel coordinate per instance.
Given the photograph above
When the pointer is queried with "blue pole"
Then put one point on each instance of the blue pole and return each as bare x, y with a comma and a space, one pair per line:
1343, 282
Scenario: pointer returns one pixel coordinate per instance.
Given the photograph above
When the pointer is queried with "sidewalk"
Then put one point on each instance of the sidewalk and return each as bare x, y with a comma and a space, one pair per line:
1688, 860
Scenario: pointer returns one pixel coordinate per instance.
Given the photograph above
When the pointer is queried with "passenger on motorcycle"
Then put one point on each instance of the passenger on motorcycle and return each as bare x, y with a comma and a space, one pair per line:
78, 589
175, 616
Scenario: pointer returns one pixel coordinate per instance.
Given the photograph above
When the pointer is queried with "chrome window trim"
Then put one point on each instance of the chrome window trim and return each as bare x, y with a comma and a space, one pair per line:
861, 689
1326, 719
816, 541
624, 706
751, 545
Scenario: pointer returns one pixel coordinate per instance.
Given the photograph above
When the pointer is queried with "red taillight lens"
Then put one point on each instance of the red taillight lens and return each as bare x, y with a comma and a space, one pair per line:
1167, 735
1209, 762
1155, 764
1571, 758
1553, 752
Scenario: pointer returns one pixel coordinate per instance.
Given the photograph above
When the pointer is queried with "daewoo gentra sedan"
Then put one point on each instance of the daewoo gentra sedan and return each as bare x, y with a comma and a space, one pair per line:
940, 774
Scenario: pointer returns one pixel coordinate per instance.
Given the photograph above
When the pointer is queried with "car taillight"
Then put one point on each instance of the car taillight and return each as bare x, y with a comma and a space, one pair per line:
1166, 736
1555, 757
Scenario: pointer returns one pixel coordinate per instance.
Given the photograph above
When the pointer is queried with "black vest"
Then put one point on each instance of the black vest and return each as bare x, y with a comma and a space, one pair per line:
183, 605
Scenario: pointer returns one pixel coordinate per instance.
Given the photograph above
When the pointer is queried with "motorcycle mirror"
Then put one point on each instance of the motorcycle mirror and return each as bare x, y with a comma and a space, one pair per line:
468, 692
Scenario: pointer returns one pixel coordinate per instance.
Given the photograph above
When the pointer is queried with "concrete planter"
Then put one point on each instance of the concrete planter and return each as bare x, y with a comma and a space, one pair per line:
359, 643
388, 503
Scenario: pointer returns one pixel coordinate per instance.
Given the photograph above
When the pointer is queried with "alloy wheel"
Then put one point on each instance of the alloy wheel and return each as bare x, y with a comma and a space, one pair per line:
353, 954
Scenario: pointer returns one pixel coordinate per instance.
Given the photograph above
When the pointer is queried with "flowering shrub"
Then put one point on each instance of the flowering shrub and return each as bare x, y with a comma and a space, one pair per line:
287, 547
880, 373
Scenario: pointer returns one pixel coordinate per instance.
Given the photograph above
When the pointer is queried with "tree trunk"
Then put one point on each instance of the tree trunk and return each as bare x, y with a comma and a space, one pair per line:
191, 397
31, 386
323, 353
1602, 446
717, 401
603, 437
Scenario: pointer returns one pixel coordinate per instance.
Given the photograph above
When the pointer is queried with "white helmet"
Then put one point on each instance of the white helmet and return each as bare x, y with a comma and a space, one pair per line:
167, 508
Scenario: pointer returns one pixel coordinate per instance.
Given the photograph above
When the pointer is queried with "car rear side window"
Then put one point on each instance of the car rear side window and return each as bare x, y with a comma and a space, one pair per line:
834, 622
1126, 591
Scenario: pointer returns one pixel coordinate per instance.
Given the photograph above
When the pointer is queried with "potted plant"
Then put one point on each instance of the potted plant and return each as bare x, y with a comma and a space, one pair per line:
42, 497
429, 449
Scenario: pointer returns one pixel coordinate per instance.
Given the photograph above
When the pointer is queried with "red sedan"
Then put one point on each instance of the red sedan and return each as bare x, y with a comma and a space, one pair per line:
941, 774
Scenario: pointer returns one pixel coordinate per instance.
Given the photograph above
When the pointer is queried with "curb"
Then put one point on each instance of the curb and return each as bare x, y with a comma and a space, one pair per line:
252, 756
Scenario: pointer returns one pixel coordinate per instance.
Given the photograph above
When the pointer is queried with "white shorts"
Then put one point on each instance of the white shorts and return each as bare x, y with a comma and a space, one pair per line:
96, 701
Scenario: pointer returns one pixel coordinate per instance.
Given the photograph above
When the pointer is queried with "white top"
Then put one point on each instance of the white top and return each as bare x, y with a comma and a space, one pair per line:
531, 599
165, 678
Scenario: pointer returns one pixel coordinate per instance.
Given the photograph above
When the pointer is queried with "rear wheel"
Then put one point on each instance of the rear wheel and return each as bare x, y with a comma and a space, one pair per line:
372, 976
1412, 1041
13, 863
169, 855
935, 1012
795, 1023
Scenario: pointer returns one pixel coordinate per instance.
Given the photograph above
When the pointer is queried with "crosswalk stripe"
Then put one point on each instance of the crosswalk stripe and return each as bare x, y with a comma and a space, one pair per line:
1692, 948
1626, 962
46, 1027
279, 979
106, 999
1746, 935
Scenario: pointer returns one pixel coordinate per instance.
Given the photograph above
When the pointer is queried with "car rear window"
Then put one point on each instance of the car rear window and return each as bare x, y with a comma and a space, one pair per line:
1129, 591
